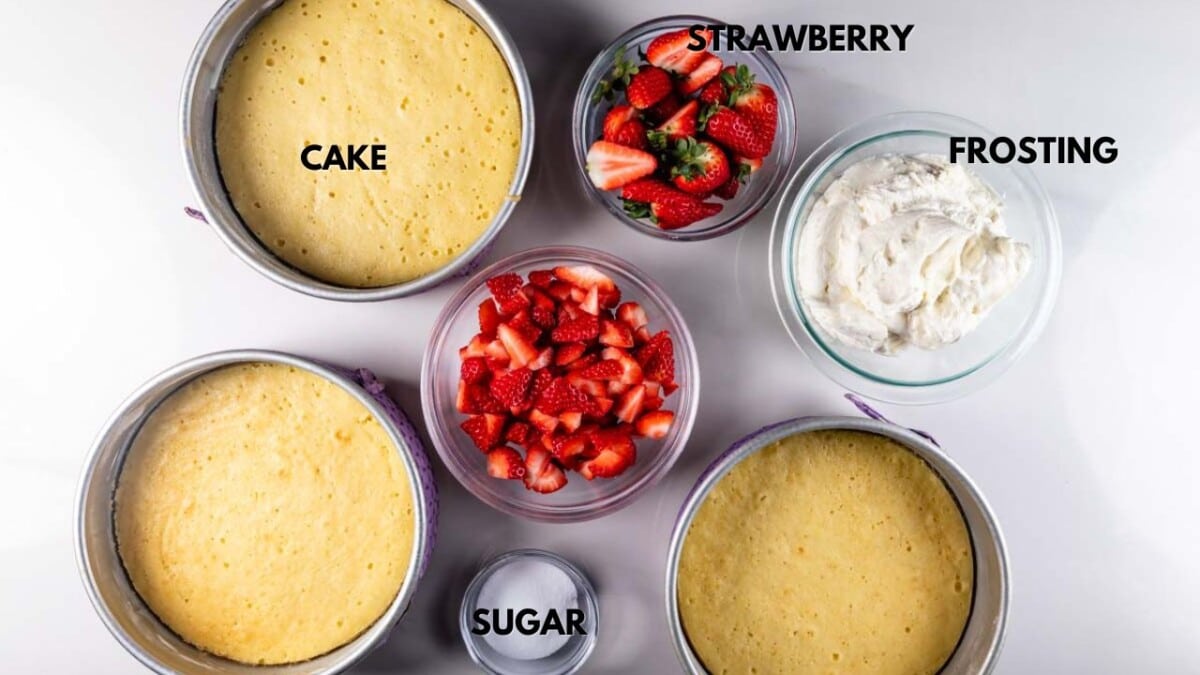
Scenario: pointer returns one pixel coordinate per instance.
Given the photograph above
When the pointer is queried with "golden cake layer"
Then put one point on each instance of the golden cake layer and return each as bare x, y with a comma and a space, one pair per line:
418, 76
827, 552
264, 515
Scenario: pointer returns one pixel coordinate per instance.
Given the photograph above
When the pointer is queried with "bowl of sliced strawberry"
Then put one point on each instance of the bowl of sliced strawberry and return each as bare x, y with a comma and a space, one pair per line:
682, 144
559, 383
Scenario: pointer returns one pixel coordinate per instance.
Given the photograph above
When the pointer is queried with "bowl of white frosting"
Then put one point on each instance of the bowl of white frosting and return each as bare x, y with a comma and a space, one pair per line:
906, 277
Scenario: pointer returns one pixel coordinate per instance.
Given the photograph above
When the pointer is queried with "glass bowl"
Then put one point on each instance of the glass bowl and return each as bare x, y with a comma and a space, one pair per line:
580, 499
588, 120
915, 376
567, 659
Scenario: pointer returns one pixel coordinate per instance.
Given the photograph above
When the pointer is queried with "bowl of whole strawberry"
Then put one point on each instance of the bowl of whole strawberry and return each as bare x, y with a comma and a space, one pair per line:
681, 144
559, 383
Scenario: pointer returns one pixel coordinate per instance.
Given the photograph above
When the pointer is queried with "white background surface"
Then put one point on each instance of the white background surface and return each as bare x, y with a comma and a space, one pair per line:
1081, 448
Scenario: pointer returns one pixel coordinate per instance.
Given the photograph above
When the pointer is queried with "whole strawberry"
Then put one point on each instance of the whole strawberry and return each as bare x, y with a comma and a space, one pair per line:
737, 133
648, 86
616, 117
666, 206
755, 101
701, 167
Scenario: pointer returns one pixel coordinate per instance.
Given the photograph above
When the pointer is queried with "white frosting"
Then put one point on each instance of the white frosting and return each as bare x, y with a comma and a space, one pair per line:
906, 250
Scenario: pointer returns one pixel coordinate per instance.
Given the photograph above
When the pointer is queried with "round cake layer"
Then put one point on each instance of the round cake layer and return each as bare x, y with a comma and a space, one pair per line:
828, 551
264, 514
417, 76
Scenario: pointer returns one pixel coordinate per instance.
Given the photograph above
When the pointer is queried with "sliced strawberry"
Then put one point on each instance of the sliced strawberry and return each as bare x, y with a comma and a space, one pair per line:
569, 353
655, 424
641, 335
543, 360
570, 449
603, 405
617, 387
591, 301
735, 132
615, 334
474, 369
518, 432
706, 71
590, 387
648, 86
489, 318
630, 404
512, 388
541, 473
610, 165
475, 399
610, 298
485, 430
585, 277
657, 358
684, 123
632, 314
462, 401
631, 369
541, 380
506, 289
670, 51
496, 353
583, 362
523, 322
569, 309
476, 347
652, 402
517, 345
604, 370
582, 329
615, 452
543, 310
543, 422
700, 167
559, 290
571, 421
504, 462
560, 397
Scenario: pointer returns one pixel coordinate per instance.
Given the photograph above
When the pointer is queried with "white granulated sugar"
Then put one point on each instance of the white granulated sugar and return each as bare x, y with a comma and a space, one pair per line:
528, 584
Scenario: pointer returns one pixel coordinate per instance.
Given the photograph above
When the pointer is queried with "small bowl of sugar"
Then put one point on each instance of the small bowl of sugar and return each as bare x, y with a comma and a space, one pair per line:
529, 612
